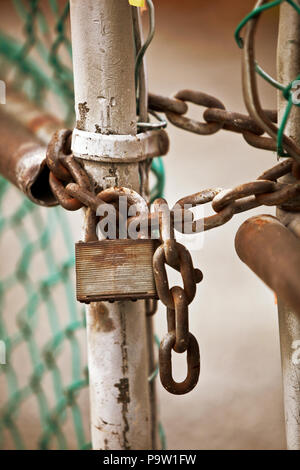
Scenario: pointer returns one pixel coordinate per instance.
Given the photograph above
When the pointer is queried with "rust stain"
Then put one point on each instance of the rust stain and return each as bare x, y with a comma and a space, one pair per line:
124, 345
101, 320
83, 111
106, 444
124, 399
123, 385
113, 171
261, 221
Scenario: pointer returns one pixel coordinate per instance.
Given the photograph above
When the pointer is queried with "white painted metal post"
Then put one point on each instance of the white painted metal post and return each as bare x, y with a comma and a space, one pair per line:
289, 321
103, 58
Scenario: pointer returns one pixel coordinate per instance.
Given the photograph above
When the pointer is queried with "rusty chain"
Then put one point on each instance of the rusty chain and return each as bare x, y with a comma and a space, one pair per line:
226, 203
70, 184
71, 187
216, 117
177, 300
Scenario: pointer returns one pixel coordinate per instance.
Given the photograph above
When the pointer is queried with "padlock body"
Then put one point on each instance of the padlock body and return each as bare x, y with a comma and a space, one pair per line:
110, 270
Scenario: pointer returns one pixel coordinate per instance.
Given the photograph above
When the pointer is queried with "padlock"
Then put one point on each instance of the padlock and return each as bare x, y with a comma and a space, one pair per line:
115, 270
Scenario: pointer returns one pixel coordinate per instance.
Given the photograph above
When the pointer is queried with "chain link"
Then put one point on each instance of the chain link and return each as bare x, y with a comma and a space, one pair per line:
64, 169
226, 203
215, 115
188, 124
177, 300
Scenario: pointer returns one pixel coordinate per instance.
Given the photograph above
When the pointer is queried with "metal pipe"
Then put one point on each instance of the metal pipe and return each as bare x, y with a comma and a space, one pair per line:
273, 253
288, 65
23, 156
103, 57
40, 123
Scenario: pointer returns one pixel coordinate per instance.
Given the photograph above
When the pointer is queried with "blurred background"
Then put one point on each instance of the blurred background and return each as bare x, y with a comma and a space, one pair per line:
238, 401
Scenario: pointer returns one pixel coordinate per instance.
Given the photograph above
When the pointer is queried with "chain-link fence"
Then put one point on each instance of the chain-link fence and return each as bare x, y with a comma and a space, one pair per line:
40, 322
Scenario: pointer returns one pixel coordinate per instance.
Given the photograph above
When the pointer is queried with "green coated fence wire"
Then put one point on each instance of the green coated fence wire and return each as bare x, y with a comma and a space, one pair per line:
257, 11
38, 327
268, 78
286, 90
34, 232
158, 170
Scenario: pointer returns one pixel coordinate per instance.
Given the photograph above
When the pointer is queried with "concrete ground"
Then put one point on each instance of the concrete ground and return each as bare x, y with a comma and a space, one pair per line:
238, 401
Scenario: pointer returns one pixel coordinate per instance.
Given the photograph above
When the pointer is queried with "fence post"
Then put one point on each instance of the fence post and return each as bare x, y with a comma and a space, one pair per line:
103, 60
288, 60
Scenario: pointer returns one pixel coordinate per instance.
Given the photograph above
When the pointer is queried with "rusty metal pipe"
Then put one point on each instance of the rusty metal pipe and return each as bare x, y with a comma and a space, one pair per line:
23, 160
25, 131
24, 111
273, 253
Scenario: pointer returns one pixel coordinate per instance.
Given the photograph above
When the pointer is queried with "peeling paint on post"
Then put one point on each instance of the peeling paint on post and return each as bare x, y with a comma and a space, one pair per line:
103, 55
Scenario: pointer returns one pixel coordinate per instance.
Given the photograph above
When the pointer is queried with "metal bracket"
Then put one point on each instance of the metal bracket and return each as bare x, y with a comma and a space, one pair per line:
119, 148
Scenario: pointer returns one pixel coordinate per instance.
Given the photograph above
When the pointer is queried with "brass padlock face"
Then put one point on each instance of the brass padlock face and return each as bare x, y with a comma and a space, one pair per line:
115, 270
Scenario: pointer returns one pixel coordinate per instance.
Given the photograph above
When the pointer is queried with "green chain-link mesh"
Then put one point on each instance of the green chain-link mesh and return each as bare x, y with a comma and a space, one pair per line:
34, 65
41, 410
286, 90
